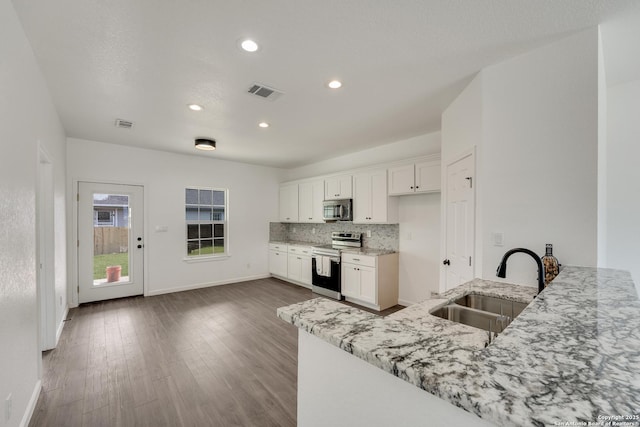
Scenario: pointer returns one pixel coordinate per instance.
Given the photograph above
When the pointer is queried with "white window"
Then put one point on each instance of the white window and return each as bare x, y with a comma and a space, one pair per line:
103, 218
206, 221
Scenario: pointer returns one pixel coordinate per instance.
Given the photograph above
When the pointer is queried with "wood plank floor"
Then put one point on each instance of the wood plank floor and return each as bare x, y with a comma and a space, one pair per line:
217, 356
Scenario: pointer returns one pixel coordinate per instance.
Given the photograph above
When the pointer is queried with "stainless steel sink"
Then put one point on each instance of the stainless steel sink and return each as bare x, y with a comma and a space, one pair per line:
488, 313
492, 304
468, 316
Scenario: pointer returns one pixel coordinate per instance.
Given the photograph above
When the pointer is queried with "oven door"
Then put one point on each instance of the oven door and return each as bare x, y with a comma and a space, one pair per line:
327, 286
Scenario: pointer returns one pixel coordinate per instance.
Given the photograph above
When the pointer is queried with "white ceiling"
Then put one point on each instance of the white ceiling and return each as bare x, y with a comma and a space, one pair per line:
402, 62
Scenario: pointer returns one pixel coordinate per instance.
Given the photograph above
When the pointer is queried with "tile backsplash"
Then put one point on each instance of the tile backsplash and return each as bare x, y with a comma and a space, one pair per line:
383, 236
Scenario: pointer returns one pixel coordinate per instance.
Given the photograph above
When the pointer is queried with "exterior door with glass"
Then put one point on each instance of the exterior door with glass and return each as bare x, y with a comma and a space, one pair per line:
110, 241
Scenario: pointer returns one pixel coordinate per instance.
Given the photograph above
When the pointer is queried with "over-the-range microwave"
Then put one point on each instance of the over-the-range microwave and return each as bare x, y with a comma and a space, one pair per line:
337, 210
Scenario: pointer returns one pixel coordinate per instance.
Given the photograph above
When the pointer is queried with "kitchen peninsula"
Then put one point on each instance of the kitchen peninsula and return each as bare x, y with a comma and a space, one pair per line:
573, 355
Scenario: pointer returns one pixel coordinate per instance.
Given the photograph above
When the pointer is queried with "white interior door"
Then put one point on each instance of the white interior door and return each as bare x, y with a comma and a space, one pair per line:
460, 219
110, 241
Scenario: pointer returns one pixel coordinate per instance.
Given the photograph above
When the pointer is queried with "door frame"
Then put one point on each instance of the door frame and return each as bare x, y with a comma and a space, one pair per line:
45, 252
75, 188
443, 213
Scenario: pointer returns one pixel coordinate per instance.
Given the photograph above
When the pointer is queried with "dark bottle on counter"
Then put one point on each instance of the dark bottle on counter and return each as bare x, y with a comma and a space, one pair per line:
551, 266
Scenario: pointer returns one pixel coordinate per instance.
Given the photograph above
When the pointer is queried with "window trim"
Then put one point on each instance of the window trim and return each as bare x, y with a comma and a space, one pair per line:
225, 222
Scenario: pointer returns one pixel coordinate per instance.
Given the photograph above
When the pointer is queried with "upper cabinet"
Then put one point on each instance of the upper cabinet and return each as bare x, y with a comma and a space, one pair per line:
422, 177
338, 187
289, 203
371, 203
310, 197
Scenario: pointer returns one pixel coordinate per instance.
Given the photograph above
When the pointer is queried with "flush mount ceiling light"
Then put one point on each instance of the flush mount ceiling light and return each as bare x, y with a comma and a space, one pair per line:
264, 125
335, 84
195, 107
249, 45
205, 144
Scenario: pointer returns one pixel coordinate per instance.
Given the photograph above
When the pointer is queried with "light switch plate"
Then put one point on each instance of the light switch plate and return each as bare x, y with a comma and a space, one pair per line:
498, 238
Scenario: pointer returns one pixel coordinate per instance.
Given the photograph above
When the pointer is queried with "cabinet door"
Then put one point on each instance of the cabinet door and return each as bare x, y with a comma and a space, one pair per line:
310, 197
278, 263
368, 289
338, 187
350, 280
379, 197
428, 177
294, 264
401, 180
289, 203
306, 272
362, 197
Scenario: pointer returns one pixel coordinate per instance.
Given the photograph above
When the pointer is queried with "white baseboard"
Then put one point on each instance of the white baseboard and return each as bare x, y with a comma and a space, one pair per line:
405, 302
31, 406
206, 285
61, 325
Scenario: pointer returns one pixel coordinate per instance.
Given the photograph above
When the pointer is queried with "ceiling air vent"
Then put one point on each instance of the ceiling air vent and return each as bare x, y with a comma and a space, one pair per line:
265, 92
124, 124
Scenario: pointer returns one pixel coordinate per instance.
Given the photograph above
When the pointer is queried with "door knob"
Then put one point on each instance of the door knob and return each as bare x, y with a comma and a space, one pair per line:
446, 262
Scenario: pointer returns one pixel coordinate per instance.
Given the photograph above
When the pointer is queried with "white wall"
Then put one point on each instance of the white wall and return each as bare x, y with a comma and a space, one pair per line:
419, 260
537, 154
623, 183
419, 215
422, 145
253, 203
28, 116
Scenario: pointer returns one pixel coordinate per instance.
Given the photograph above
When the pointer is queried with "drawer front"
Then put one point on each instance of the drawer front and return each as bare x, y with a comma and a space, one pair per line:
300, 250
278, 247
367, 260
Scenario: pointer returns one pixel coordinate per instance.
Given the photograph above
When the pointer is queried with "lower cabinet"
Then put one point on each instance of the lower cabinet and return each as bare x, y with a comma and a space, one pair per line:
299, 267
371, 281
278, 262
291, 263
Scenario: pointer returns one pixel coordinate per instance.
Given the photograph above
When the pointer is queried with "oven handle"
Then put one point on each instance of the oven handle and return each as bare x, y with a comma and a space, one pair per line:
333, 259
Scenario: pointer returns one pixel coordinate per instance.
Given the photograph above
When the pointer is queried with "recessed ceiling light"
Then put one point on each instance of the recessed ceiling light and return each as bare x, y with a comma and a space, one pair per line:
263, 124
249, 45
206, 144
195, 107
335, 84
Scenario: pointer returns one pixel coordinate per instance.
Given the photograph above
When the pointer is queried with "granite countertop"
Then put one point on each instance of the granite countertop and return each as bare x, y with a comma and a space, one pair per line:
368, 251
359, 251
572, 355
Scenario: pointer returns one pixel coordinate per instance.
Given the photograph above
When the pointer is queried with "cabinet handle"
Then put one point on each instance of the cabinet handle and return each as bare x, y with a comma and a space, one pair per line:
417, 186
412, 187
356, 259
310, 218
336, 195
298, 257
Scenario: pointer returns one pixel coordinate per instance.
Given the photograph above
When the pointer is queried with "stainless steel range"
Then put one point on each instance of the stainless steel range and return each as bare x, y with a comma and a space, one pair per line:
325, 263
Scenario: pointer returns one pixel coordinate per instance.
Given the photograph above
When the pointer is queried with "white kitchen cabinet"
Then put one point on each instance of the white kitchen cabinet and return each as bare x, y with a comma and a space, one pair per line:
299, 269
371, 281
428, 177
278, 260
289, 203
310, 197
371, 202
338, 187
299, 265
422, 177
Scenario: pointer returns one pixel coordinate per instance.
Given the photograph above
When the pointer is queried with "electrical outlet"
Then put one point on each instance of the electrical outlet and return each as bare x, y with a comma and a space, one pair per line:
368, 233
313, 230
294, 229
409, 236
8, 406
